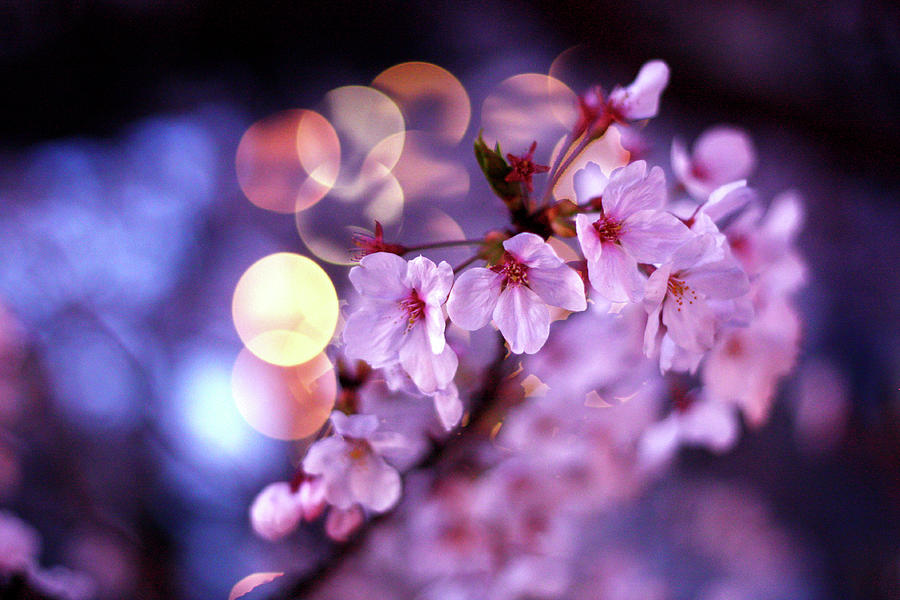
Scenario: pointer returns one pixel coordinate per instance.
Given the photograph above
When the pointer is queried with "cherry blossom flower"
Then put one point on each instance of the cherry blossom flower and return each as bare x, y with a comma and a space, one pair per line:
19, 545
720, 155
632, 228
341, 523
351, 464
401, 318
640, 100
276, 511
516, 292
679, 294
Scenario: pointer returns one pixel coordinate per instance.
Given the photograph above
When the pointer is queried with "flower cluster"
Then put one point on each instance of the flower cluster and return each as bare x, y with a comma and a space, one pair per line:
667, 300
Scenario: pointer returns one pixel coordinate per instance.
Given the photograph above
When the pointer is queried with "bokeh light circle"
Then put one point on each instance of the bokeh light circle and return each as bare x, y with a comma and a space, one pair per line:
285, 403
525, 108
327, 228
607, 151
431, 98
288, 160
363, 117
285, 309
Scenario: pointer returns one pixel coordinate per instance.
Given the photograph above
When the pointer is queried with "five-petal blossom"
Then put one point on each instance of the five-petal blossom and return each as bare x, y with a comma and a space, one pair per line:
401, 318
632, 228
515, 293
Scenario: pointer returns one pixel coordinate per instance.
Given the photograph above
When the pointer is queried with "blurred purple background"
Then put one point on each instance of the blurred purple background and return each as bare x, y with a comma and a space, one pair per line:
123, 232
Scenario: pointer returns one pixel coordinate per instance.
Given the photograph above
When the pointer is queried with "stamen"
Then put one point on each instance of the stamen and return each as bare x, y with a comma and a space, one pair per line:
608, 230
513, 272
678, 288
414, 307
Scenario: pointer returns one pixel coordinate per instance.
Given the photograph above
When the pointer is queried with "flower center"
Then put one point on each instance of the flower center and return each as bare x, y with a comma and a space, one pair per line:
513, 272
414, 307
608, 229
678, 288
358, 448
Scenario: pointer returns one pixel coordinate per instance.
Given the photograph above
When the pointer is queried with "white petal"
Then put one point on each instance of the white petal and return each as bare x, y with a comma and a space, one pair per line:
728, 199
374, 483
354, 426
724, 279
681, 161
432, 282
276, 511
648, 193
652, 236
589, 182
724, 154
448, 406
324, 455
434, 327
640, 100
473, 298
691, 324
651, 332
374, 332
380, 275
523, 319
531, 250
428, 371
590, 243
615, 275
561, 287
655, 290
341, 523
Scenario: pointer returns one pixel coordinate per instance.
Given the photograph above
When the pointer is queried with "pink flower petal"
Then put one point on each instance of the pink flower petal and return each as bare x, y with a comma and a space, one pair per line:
276, 511
448, 406
374, 483
531, 250
428, 371
691, 325
341, 523
615, 275
589, 182
432, 282
561, 287
640, 100
652, 236
374, 332
380, 275
590, 243
473, 298
523, 319
724, 154
632, 194
354, 426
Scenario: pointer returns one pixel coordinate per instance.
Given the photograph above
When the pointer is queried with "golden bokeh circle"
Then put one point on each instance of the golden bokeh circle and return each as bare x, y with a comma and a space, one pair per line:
285, 309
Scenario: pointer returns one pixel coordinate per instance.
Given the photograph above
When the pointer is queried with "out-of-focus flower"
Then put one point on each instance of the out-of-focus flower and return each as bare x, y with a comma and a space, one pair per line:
351, 465
639, 100
276, 511
632, 228
341, 523
401, 318
20, 545
705, 423
678, 294
516, 292
720, 155
63, 584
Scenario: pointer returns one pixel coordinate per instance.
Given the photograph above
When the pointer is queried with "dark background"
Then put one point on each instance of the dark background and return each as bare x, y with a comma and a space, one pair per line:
817, 82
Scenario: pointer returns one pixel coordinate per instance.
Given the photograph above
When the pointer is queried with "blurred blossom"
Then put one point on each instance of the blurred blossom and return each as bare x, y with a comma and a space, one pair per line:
720, 155
19, 545
821, 406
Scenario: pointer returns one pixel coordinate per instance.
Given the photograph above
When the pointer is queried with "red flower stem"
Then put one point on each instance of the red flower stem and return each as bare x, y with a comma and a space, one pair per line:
447, 244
